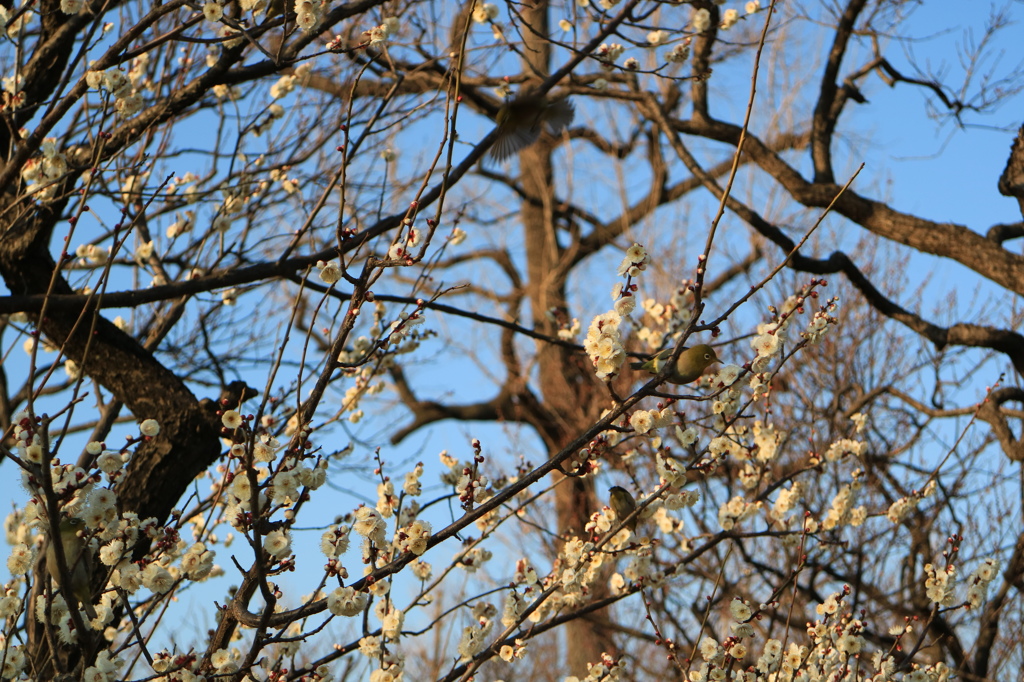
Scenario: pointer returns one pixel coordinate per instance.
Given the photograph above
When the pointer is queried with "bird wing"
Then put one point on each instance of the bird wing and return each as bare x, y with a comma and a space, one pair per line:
510, 142
559, 115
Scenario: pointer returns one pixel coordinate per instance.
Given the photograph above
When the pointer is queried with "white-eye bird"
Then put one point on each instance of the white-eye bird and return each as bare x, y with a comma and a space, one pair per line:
623, 503
79, 562
521, 119
689, 366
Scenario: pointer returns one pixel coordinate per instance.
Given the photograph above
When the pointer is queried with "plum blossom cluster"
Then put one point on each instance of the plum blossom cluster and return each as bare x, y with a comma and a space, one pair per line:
633, 263
371, 526
899, 509
121, 86
729, 18
378, 34
725, 382
391, 618
345, 601
822, 320
844, 447
568, 585
607, 54
213, 11
469, 482
601, 521
264, 471
645, 421
476, 636
413, 538
939, 584
309, 14
404, 327
670, 470
679, 53
106, 668
112, 538
700, 20
403, 248
472, 559
14, 659
771, 335
736, 511
604, 345
665, 319
330, 271
834, 641
978, 581
284, 86
842, 510
787, 499
755, 453
41, 174
484, 12
608, 669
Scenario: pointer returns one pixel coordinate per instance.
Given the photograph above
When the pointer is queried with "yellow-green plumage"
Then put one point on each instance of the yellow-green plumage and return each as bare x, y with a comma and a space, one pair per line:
521, 119
274, 8
689, 367
623, 503
79, 561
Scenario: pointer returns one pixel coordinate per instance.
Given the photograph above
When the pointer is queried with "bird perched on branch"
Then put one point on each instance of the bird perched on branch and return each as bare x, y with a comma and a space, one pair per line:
623, 503
79, 563
689, 366
522, 118
275, 8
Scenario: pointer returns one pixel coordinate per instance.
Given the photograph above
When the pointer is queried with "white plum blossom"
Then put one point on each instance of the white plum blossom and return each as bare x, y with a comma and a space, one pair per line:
634, 262
345, 601
701, 20
641, 421
330, 271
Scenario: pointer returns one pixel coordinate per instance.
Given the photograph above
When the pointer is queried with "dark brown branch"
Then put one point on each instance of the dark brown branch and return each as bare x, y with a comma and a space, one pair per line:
829, 104
1011, 182
946, 240
1002, 232
991, 413
426, 412
701, 60
1005, 341
605, 232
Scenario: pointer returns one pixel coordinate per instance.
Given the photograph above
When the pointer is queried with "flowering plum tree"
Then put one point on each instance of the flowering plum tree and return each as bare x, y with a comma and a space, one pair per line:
291, 360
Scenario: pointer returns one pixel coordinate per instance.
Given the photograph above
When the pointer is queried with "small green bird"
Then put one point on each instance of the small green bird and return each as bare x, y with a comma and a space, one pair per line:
79, 560
624, 505
689, 367
521, 119
274, 8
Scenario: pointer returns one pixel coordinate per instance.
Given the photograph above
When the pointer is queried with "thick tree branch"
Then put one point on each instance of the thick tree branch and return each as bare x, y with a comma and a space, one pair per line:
829, 104
946, 240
